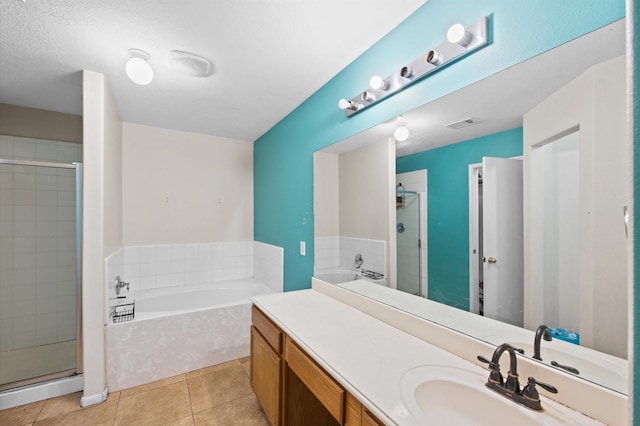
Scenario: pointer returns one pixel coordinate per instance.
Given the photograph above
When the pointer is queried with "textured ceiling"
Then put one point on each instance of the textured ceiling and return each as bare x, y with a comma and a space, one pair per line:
268, 56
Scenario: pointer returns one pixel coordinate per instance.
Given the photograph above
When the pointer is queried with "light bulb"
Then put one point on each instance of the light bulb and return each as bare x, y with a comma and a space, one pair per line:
377, 82
434, 57
139, 70
406, 72
345, 104
458, 34
401, 134
367, 96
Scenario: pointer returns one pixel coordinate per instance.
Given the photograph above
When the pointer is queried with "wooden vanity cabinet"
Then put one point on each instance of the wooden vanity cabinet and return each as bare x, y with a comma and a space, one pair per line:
292, 388
267, 365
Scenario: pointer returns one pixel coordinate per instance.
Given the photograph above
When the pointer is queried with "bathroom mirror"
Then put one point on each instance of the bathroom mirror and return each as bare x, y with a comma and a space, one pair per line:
494, 107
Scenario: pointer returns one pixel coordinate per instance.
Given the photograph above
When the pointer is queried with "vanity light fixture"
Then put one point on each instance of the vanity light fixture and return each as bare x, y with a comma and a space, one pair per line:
378, 82
367, 96
460, 41
406, 72
434, 57
138, 68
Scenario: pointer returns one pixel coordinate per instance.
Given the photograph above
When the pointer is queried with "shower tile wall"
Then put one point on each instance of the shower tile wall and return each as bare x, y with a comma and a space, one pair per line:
37, 244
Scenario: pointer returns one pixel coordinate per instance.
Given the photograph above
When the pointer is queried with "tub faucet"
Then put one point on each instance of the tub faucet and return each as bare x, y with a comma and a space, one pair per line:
510, 388
120, 284
359, 260
541, 333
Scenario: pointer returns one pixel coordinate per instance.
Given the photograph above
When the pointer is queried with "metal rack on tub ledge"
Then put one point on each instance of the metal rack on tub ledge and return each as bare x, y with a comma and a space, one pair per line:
124, 312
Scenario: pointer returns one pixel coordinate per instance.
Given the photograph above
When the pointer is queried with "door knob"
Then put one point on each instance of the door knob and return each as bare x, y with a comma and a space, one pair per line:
489, 259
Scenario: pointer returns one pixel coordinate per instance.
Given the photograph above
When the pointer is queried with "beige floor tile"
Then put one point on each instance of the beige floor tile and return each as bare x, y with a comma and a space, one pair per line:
246, 364
218, 387
22, 415
60, 405
185, 421
153, 385
245, 411
156, 406
100, 414
213, 368
113, 396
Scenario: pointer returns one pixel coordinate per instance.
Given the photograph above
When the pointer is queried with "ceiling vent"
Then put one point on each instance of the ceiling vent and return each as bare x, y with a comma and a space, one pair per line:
189, 63
463, 123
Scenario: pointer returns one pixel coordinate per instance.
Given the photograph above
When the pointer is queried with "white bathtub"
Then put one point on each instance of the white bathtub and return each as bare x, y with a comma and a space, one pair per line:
181, 329
189, 298
343, 275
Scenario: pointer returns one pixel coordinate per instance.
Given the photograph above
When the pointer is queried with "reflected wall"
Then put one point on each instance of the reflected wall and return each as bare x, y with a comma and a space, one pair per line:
448, 213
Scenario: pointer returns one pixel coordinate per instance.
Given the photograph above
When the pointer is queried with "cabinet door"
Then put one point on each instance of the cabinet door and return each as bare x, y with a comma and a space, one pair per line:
266, 368
369, 419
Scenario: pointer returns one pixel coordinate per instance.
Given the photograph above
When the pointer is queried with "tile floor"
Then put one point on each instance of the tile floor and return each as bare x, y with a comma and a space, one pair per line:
217, 395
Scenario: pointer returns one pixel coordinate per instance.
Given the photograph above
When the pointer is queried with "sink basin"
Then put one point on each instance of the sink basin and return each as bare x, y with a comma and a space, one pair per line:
447, 395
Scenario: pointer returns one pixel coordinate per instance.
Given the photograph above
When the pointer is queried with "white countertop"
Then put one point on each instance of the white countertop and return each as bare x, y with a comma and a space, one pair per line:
366, 356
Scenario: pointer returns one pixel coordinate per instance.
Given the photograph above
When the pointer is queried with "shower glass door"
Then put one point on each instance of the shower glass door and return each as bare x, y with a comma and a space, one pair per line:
408, 243
39, 272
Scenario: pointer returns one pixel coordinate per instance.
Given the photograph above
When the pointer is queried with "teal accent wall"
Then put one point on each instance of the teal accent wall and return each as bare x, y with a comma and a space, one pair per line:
283, 157
448, 208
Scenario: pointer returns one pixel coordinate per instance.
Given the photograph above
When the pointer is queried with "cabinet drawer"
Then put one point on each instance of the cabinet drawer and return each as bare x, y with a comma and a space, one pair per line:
270, 331
328, 392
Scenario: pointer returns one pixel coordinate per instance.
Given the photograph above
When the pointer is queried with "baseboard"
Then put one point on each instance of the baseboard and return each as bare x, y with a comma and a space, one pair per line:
86, 401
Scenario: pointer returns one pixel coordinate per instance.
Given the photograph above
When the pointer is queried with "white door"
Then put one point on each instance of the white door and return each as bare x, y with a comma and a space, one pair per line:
502, 240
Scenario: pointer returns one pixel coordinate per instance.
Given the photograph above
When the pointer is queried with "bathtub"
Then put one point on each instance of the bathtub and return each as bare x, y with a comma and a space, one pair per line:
180, 329
342, 275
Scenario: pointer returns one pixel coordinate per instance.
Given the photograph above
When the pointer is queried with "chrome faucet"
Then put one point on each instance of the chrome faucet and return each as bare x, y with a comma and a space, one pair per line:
359, 260
541, 333
510, 388
120, 284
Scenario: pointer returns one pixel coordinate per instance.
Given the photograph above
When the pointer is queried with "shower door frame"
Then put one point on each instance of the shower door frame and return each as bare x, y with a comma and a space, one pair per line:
422, 292
77, 166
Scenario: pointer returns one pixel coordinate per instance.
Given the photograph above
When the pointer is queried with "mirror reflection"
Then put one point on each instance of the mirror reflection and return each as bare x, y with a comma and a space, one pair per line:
505, 202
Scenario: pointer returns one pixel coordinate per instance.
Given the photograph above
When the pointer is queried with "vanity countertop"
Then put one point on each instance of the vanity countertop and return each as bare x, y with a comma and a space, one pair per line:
365, 355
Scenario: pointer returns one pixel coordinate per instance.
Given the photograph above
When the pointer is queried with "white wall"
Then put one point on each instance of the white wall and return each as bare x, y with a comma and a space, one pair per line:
102, 226
595, 103
367, 177
181, 187
326, 200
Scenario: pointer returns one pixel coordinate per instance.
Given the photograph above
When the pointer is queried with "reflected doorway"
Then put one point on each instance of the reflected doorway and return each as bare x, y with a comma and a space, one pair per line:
411, 232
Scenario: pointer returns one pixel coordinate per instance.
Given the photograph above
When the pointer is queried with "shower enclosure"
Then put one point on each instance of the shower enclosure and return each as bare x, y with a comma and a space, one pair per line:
40, 224
408, 241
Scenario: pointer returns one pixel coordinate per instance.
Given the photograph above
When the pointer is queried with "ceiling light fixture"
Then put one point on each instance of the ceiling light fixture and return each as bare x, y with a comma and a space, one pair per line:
138, 68
189, 63
460, 42
401, 133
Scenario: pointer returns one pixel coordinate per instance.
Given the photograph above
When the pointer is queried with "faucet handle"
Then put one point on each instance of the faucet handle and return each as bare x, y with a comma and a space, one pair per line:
531, 392
495, 376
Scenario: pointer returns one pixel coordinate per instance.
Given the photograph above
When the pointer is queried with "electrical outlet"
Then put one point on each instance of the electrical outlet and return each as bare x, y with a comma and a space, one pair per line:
303, 248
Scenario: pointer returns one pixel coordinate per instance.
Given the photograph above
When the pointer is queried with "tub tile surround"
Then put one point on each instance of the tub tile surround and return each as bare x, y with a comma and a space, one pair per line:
340, 252
169, 265
143, 351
